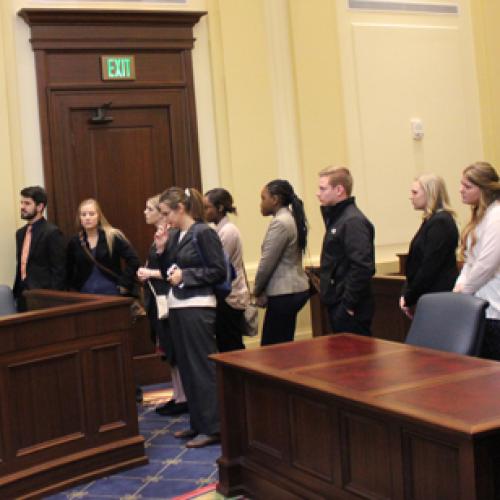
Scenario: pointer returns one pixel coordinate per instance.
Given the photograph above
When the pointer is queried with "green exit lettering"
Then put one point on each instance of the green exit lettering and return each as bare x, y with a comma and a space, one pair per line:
118, 68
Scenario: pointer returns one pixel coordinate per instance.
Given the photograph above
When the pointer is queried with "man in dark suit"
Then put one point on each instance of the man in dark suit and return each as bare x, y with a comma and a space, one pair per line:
39, 248
347, 257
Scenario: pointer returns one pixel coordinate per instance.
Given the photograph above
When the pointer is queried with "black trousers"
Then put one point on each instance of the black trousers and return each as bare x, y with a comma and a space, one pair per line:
229, 327
342, 321
281, 317
193, 335
491, 341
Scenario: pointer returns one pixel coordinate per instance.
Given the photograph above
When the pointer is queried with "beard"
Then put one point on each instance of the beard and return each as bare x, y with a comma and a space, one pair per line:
28, 215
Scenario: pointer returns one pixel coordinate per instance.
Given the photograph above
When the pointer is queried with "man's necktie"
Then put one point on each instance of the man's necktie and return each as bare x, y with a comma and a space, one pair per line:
25, 251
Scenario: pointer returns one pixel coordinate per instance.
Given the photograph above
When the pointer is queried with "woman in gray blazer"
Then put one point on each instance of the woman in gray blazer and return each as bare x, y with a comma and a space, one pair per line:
281, 284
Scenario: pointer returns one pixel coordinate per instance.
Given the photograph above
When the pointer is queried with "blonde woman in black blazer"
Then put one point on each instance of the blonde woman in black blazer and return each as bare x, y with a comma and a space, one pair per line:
431, 265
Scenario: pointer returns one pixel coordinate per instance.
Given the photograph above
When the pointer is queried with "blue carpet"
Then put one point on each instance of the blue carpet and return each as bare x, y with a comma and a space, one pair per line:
172, 470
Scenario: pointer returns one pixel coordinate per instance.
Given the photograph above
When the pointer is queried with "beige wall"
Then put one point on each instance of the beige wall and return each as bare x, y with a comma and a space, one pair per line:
284, 88
486, 19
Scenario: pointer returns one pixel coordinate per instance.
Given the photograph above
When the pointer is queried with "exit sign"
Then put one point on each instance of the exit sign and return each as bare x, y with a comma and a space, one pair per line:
118, 67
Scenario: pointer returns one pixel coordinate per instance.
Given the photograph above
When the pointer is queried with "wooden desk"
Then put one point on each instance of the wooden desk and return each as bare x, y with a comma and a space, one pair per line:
67, 394
349, 417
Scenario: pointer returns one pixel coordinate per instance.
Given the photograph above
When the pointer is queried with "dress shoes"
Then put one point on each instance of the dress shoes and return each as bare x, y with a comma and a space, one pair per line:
202, 440
168, 404
170, 410
185, 433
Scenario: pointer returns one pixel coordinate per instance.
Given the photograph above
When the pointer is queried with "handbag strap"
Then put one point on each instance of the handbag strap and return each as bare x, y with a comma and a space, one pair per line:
89, 255
153, 291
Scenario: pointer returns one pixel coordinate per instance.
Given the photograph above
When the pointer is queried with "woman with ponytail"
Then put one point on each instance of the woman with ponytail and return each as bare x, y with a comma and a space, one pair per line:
480, 247
192, 263
230, 322
281, 284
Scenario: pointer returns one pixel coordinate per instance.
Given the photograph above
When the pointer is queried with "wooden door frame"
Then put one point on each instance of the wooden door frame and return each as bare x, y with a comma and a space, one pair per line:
101, 32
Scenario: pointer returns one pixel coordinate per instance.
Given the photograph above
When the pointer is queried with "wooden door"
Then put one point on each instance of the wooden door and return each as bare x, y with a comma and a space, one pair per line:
137, 150
149, 139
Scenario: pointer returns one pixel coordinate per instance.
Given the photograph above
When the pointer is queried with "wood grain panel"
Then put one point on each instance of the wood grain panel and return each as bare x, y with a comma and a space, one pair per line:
366, 463
107, 364
46, 402
431, 467
64, 68
407, 423
311, 451
377, 373
447, 399
303, 353
267, 419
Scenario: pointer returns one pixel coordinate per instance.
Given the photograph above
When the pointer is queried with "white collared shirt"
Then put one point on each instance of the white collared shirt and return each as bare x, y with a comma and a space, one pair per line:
481, 272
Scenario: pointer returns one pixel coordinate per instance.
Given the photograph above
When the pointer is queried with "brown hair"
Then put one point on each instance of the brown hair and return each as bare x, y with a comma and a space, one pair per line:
338, 176
483, 175
190, 198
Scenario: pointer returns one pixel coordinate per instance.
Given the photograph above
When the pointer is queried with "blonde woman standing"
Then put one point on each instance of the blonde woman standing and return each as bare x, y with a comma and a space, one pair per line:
480, 246
99, 259
431, 265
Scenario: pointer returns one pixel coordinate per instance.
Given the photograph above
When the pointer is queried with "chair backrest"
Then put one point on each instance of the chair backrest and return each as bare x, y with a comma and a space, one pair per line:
7, 301
448, 321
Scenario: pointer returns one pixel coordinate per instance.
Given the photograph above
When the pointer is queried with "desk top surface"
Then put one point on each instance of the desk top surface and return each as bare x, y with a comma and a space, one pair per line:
458, 392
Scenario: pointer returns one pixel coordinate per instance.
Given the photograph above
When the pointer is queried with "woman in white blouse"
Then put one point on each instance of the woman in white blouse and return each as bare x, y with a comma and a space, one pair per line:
480, 276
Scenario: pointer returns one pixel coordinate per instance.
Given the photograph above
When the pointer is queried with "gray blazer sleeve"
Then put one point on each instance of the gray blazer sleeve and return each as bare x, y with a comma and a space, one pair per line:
275, 242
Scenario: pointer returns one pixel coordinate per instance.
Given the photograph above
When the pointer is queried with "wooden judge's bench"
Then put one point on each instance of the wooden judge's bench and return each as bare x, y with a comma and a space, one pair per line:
67, 393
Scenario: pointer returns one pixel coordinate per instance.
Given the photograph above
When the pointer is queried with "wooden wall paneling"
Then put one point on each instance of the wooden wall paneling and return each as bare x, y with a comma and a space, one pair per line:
68, 412
365, 456
107, 361
266, 436
311, 451
47, 405
427, 462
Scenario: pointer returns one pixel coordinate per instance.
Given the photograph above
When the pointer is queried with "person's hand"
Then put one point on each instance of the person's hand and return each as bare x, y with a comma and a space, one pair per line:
458, 288
261, 301
406, 310
175, 276
350, 312
143, 274
161, 237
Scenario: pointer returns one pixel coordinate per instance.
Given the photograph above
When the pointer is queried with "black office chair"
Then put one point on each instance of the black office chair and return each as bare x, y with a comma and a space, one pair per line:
448, 321
7, 301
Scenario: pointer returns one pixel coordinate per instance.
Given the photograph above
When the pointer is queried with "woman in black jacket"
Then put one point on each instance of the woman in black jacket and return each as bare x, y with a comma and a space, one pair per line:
193, 262
94, 256
151, 276
431, 265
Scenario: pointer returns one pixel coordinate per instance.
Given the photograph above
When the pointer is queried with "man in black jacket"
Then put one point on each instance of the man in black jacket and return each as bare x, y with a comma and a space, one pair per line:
39, 248
347, 256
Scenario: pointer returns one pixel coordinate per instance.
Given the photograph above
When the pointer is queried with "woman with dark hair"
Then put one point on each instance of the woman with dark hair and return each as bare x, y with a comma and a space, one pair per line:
192, 263
151, 276
431, 265
230, 319
480, 246
281, 284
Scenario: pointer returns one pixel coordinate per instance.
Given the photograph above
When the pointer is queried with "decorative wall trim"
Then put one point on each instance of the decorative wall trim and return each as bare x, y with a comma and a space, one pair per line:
427, 8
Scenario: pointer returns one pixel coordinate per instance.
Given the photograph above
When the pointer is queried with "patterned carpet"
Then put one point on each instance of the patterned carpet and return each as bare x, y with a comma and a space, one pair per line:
173, 472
